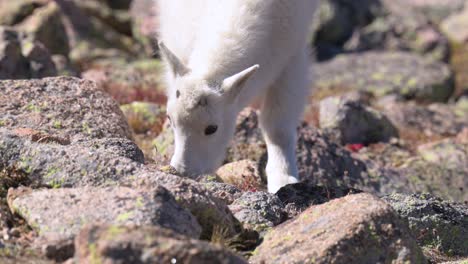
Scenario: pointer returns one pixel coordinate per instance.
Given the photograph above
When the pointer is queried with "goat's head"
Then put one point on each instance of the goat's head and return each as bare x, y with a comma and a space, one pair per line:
202, 115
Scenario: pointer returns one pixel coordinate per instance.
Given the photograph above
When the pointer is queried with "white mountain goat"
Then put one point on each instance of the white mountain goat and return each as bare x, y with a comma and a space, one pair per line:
222, 55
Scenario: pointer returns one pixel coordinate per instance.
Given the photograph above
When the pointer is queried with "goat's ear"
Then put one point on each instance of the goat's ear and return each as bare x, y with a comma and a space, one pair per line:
232, 86
176, 65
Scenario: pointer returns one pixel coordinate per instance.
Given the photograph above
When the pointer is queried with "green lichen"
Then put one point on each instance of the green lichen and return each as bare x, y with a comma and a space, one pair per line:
85, 128
124, 216
57, 124
93, 254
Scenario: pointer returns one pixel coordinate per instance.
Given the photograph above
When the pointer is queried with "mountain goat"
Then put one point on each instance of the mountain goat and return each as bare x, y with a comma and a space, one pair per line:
221, 55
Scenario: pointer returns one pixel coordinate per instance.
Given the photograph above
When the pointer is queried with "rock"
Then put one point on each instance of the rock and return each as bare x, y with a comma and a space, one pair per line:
418, 122
115, 244
377, 25
45, 25
259, 211
352, 122
13, 65
144, 24
398, 26
211, 212
23, 58
145, 118
87, 40
59, 214
129, 82
63, 66
358, 228
437, 224
118, 19
407, 75
299, 196
13, 12
448, 153
437, 179
40, 60
224, 192
63, 132
63, 106
456, 26
243, 174
436, 10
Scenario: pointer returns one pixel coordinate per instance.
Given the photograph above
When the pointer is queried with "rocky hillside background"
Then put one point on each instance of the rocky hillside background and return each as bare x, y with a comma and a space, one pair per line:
382, 151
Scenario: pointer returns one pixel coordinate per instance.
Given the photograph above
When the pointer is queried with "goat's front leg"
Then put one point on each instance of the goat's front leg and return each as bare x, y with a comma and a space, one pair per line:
281, 110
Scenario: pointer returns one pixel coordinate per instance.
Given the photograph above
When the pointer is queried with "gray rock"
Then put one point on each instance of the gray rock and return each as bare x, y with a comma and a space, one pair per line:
364, 25
352, 122
64, 106
300, 196
437, 224
381, 73
259, 211
358, 228
211, 212
59, 214
13, 65
117, 244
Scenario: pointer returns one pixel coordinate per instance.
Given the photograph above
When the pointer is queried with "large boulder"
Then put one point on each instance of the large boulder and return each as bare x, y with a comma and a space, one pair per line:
358, 228
437, 224
404, 74
59, 214
117, 244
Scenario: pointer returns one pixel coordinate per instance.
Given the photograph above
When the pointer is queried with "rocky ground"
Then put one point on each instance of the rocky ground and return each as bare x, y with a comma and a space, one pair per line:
382, 151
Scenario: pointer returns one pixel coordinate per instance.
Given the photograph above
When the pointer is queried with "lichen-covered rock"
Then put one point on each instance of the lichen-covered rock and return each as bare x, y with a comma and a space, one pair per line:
456, 26
407, 75
225, 192
358, 228
259, 211
45, 25
42, 159
59, 214
352, 122
210, 211
63, 132
244, 174
437, 224
63, 106
420, 123
144, 118
448, 153
129, 82
118, 244
299, 196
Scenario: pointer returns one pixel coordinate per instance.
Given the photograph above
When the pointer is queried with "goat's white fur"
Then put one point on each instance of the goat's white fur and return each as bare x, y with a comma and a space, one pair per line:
224, 54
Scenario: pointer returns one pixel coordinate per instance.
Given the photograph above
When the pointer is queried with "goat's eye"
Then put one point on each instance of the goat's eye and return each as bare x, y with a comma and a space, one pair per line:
210, 130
